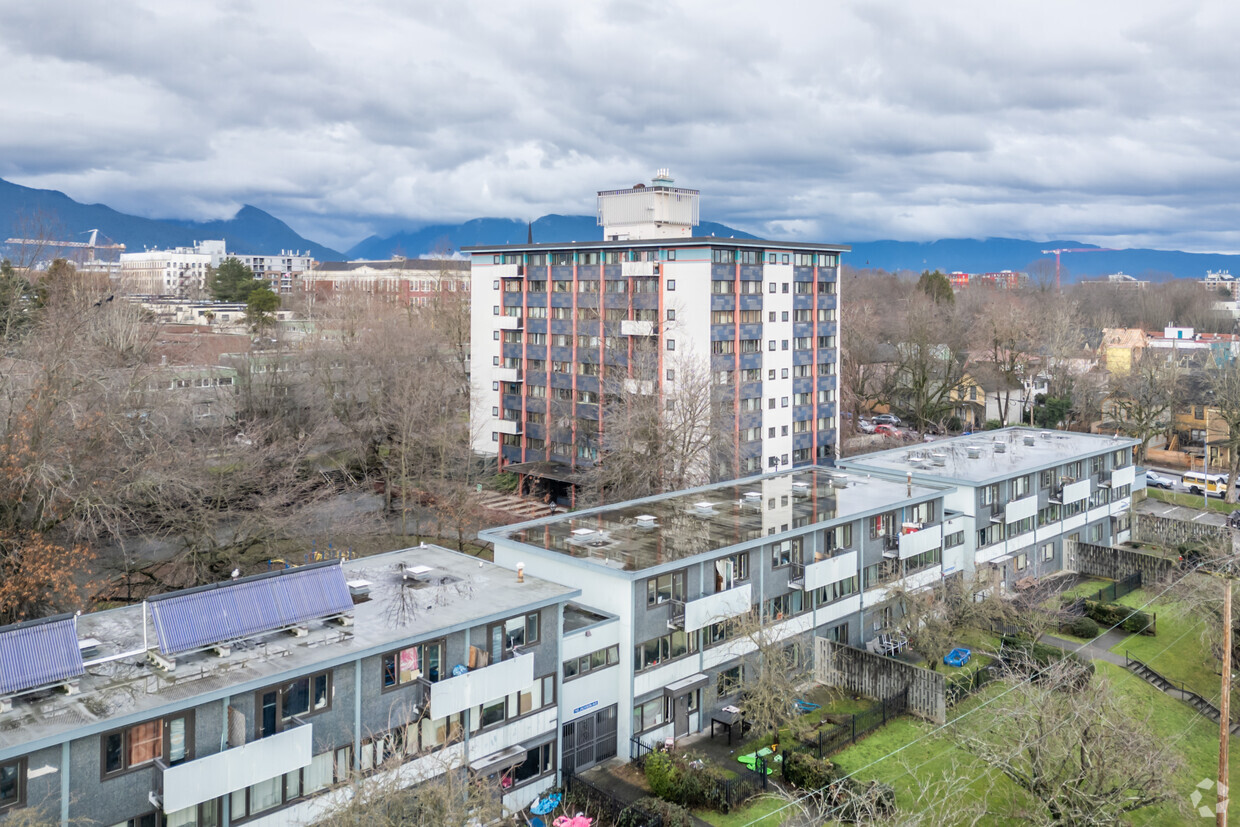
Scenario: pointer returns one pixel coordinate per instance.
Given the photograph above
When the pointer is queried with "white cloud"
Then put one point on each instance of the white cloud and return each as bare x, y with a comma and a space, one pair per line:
845, 121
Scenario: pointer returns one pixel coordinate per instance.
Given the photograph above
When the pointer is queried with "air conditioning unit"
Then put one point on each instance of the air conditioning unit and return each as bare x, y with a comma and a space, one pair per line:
974, 452
1029, 440
1000, 448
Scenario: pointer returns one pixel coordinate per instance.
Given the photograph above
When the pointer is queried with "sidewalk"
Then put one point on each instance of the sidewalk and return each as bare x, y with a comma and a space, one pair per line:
1097, 649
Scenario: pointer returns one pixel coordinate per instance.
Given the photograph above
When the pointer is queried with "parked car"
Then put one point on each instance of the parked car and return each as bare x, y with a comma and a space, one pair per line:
865, 426
887, 430
886, 419
1153, 479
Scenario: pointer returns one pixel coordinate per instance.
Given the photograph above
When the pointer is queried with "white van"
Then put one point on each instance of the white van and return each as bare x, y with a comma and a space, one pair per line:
1198, 483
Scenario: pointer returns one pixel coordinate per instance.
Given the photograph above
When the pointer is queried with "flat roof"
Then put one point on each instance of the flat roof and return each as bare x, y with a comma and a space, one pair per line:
1048, 448
694, 241
457, 592
642, 534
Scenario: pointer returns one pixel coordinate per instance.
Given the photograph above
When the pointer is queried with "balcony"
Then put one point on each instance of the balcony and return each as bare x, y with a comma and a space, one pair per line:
713, 608
223, 773
638, 268
914, 542
840, 565
508, 426
1123, 476
1022, 509
509, 322
628, 327
504, 374
458, 693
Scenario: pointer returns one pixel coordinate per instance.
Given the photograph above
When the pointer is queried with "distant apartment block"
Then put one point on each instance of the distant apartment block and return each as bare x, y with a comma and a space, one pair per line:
183, 270
560, 330
1002, 280
408, 281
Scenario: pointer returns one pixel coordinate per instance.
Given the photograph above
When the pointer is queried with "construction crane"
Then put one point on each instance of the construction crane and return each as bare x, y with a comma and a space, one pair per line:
91, 245
1073, 250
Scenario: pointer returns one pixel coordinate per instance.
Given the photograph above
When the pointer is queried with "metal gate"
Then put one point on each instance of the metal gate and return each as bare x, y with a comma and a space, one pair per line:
589, 740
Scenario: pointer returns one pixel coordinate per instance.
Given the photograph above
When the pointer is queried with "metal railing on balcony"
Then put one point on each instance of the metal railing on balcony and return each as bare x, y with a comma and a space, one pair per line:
796, 573
676, 620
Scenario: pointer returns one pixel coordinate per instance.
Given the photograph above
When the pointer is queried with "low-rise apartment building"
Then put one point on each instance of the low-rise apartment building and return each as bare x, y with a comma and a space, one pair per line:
807, 551
249, 702
1020, 493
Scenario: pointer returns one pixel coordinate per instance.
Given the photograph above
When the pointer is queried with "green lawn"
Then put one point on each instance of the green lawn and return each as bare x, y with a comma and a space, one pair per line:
1177, 652
1194, 738
1190, 500
1085, 588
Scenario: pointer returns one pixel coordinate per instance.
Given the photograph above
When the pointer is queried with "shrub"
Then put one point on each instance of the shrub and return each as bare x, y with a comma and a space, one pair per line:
662, 775
863, 802
674, 778
1120, 616
1084, 627
807, 772
639, 812
992, 425
505, 482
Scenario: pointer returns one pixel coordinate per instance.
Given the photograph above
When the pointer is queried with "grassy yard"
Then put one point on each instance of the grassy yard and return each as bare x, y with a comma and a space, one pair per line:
1177, 651
1086, 587
1194, 738
1190, 500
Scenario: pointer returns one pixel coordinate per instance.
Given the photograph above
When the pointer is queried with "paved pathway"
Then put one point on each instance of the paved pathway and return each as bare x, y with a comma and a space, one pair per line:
1097, 649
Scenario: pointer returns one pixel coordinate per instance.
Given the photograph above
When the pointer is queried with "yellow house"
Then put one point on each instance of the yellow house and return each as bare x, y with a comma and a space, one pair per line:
969, 403
1120, 349
1192, 433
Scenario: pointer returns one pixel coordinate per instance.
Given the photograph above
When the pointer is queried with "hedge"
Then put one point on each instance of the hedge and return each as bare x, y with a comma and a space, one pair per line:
807, 772
1117, 615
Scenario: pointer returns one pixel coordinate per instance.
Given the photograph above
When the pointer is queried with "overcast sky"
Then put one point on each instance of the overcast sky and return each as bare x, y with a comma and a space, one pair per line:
1112, 122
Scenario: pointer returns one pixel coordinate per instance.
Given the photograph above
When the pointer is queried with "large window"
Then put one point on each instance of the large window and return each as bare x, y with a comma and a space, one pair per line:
515, 632
407, 665
140, 744
665, 587
837, 590
277, 705
659, 650
13, 783
538, 762
599, 659
729, 681
649, 715
787, 551
839, 537
731, 570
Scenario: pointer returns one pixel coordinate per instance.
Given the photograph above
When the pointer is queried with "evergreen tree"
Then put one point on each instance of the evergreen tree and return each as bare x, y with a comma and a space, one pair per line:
232, 281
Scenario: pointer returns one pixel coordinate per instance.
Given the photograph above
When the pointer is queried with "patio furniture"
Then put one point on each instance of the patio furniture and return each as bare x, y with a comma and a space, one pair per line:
729, 719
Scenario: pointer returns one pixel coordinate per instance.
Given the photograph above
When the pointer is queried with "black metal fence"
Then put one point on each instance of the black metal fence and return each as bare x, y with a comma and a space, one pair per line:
959, 687
599, 803
1114, 591
857, 726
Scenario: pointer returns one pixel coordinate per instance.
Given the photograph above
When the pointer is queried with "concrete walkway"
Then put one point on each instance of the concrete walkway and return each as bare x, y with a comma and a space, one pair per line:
1097, 649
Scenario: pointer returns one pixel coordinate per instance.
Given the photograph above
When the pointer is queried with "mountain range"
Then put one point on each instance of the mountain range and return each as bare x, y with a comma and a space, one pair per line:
252, 230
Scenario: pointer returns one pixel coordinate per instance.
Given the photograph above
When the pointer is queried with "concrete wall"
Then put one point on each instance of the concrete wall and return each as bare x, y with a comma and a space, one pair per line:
1169, 532
878, 676
1115, 563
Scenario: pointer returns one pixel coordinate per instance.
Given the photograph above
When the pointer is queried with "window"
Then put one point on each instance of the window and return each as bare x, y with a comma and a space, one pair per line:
1045, 478
1047, 552
990, 494
665, 587
786, 605
664, 648
538, 762
1022, 561
1095, 533
141, 744
514, 632
731, 570
784, 553
954, 539
649, 715
839, 537
720, 287
729, 682
13, 784
671, 344
1020, 487
277, 705
837, 590
990, 535
599, 659
407, 665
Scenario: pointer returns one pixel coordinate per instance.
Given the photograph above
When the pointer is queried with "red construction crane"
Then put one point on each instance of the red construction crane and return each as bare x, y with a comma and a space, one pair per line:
1073, 250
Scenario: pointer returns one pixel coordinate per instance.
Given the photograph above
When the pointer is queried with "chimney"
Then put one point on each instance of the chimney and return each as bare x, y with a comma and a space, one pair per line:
909, 492
520, 572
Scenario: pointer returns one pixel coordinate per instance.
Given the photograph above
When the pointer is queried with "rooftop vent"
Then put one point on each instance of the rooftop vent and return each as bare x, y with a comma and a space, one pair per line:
938, 458
645, 520
1029, 440
1046, 434
1000, 448
839, 482
582, 532
974, 452
704, 508
800, 489
755, 495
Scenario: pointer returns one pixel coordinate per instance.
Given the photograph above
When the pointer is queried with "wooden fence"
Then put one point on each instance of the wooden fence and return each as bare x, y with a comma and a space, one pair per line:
1115, 563
879, 676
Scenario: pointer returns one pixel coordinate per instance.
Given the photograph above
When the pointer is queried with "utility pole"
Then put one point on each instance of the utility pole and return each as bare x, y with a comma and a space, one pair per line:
1224, 732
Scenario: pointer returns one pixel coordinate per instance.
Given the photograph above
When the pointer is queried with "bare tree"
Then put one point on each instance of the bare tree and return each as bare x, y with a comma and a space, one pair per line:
1144, 399
1077, 750
933, 619
927, 374
1225, 398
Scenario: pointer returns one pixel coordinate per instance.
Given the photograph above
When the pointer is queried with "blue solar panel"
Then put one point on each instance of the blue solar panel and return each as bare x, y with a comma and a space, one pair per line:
198, 618
39, 652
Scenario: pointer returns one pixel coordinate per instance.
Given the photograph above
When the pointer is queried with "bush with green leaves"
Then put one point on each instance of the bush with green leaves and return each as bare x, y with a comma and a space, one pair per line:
806, 771
1117, 615
1084, 627
638, 813
674, 777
